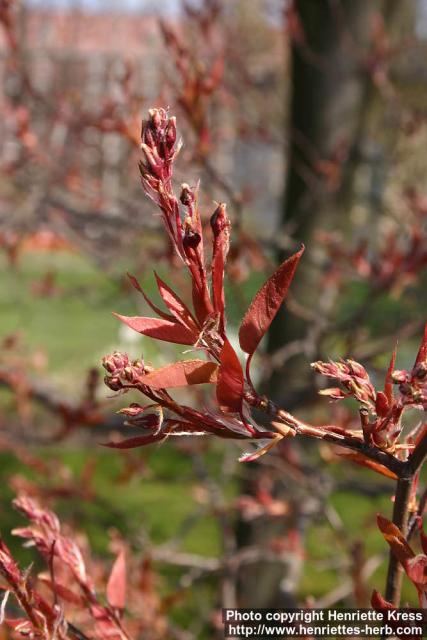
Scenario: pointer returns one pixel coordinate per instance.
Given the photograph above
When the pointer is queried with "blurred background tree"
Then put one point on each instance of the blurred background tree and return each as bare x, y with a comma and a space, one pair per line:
308, 118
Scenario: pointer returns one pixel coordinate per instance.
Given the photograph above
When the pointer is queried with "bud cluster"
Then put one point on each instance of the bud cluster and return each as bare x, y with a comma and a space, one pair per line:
413, 385
158, 137
122, 372
353, 377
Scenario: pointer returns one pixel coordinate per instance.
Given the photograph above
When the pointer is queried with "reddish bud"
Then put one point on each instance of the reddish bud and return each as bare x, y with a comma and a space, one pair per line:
150, 417
219, 219
191, 239
187, 195
170, 132
120, 371
156, 117
399, 377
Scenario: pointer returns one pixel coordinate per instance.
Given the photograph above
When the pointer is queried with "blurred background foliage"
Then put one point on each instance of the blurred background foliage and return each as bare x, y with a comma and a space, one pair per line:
342, 116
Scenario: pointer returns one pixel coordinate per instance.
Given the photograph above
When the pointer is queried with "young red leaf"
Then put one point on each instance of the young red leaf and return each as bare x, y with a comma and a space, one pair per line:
416, 569
160, 329
155, 308
266, 304
423, 540
382, 405
182, 374
395, 539
363, 461
138, 441
221, 242
388, 385
176, 306
229, 389
116, 586
378, 602
422, 352
63, 592
251, 456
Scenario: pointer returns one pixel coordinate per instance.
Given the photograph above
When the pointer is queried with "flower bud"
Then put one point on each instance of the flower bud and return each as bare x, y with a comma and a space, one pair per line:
191, 239
420, 371
400, 377
114, 383
150, 417
133, 410
219, 220
187, 195
157, 117
115, 362
170, 132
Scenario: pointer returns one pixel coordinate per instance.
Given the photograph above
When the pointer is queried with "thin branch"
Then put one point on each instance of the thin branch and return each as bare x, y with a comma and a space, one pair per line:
400, 519
417, 457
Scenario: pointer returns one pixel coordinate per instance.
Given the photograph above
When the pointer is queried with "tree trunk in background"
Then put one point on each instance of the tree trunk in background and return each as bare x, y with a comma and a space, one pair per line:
331, 95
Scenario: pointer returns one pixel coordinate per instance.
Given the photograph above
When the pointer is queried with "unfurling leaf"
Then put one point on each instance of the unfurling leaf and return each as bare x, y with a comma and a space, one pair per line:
138, 441
251, 456
266, 304
335, 393
116, 586
176, 306
160, 329
221, 243
182, 374
378, 602
421, 358
388, 385
382, 405
363, 461
155, 308
63, 592
395, 539
416, 569
229, 389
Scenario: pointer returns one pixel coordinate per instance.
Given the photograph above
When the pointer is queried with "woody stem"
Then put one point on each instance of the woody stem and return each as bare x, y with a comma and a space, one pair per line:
401, 515
400, 519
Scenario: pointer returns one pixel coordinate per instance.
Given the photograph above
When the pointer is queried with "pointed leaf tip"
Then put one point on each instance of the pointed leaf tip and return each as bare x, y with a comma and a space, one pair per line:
116, 586
266, 304
159, 329
230, 385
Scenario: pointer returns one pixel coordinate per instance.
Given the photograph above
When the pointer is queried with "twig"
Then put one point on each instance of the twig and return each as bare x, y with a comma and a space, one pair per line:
400, 519
401, 516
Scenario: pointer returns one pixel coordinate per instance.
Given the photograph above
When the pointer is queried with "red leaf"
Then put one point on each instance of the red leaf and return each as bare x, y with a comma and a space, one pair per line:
416, 569
378, 602
266, 304
251, 456
116, 586
21, 626
381, 404
363, 461
388, 385
175, 305
395, 539
422, 352
221, 229
229, 389
138, 441
63, 592
423, 540
155, 308
182, 374
159, 329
